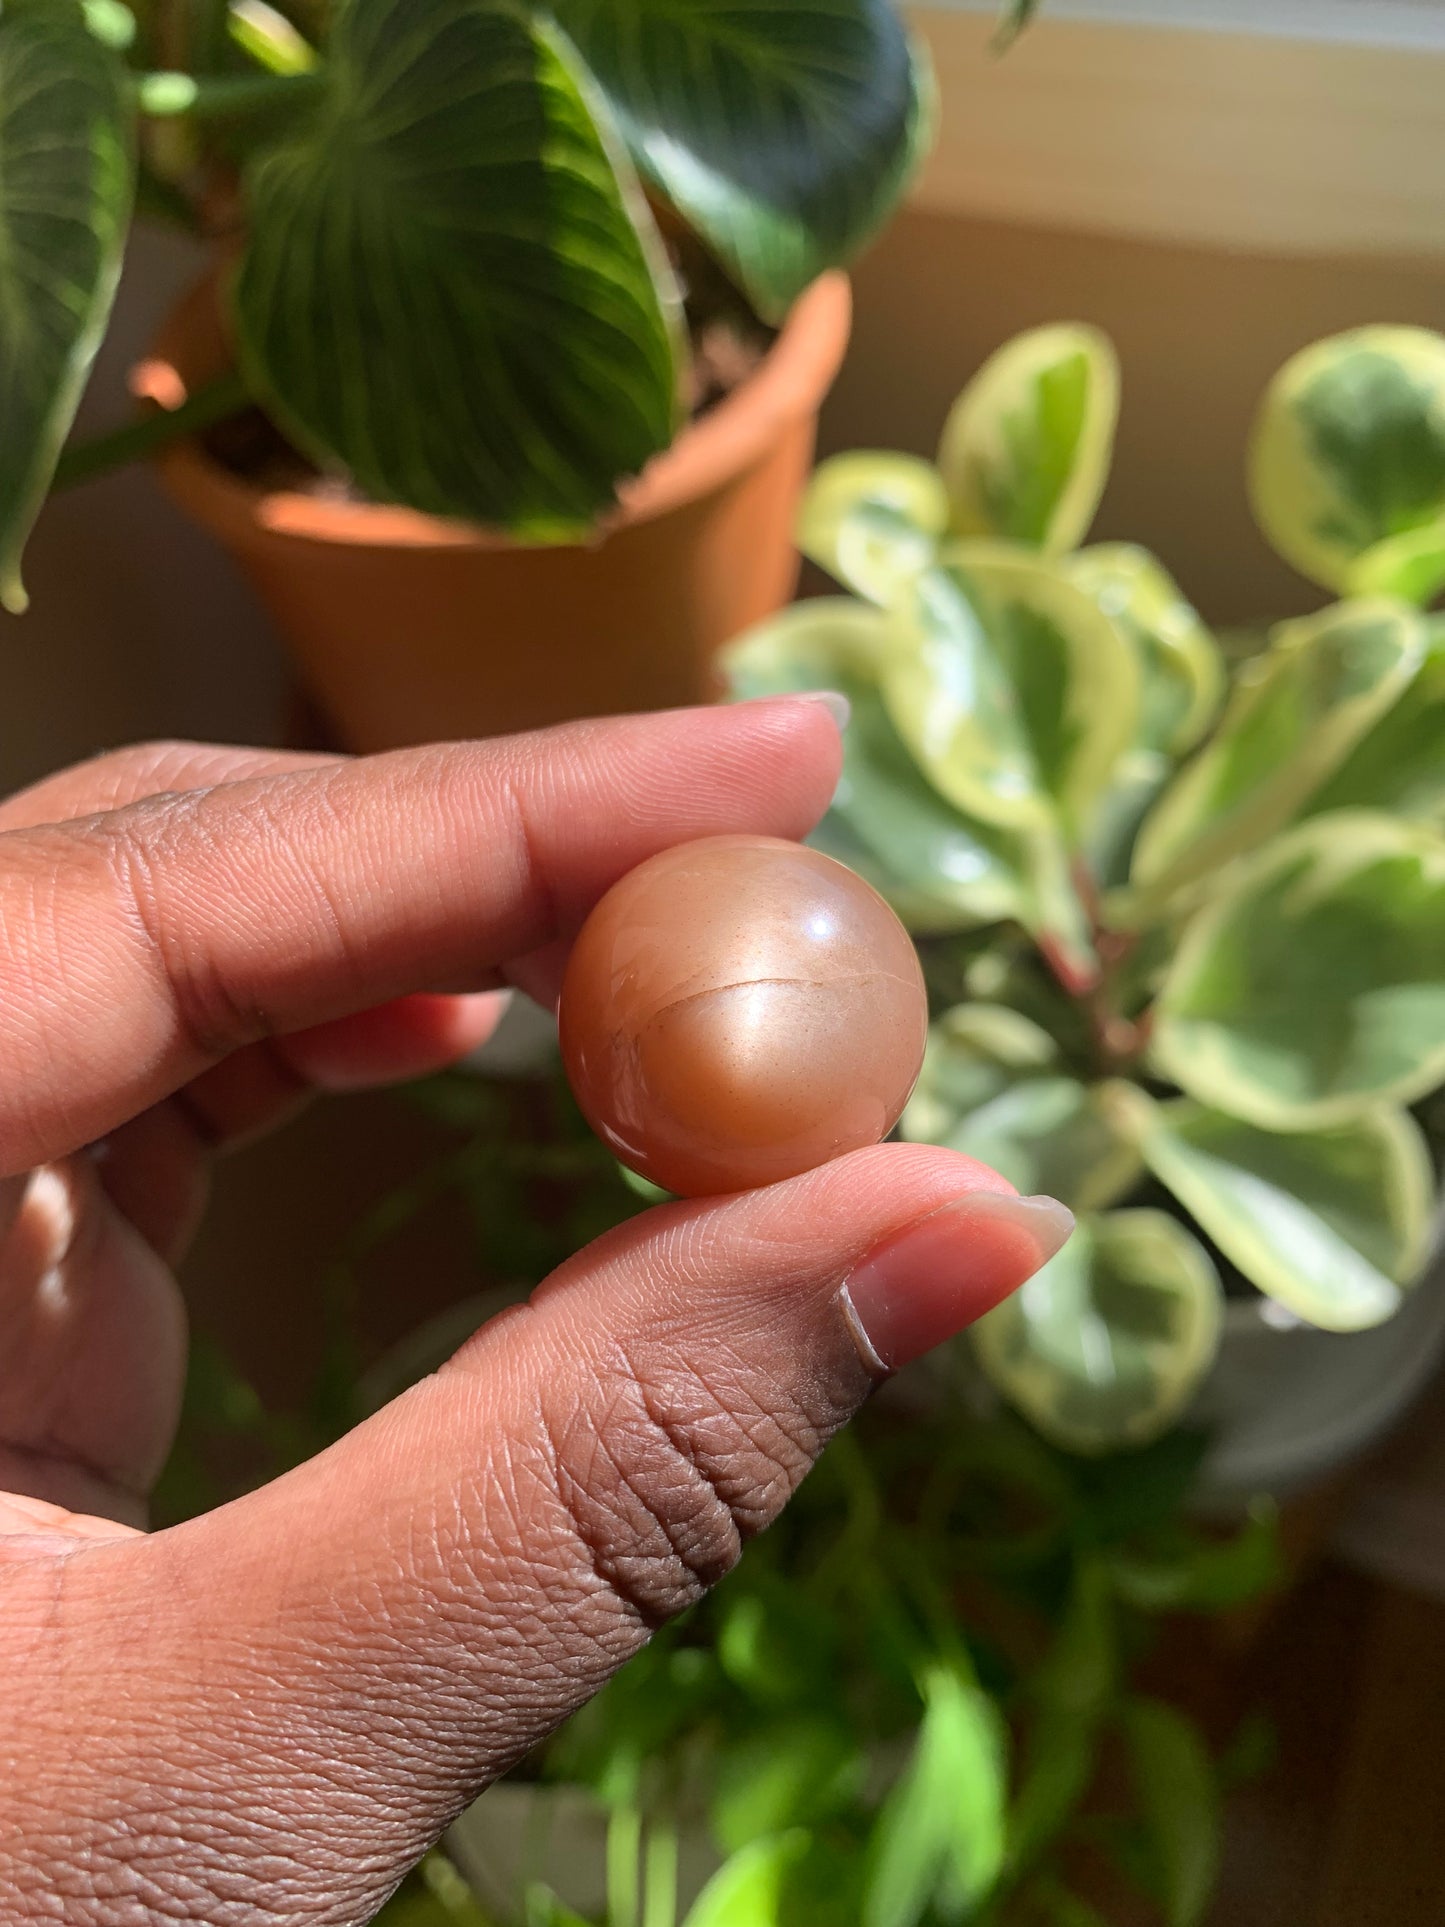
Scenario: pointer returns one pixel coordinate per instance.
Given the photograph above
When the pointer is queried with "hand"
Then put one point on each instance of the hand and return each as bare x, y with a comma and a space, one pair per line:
267, 1714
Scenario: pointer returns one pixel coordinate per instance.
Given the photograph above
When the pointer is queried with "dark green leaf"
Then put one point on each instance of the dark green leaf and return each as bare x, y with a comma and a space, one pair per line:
1068, 1695
1203, 1575
783, 134
66, 183
1127, 1493
1175, 1786
448, 288
772, 1645
1251, 1752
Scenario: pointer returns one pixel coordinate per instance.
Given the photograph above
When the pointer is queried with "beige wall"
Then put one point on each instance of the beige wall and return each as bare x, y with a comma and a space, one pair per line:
1199, 331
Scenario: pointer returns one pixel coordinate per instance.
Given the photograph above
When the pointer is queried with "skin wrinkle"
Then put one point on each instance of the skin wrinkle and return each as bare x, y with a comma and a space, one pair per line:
210, 1018
659, 1555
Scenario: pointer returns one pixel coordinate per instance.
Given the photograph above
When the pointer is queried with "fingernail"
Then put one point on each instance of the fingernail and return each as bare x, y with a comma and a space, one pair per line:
936, 1276
835, 702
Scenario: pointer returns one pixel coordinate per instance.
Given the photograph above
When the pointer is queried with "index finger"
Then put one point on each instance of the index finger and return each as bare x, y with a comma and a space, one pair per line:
139, 946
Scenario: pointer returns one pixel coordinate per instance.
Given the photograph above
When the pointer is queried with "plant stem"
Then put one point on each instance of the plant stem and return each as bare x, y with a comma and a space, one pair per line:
624, 1847
167, 95
224, 396
659, 1906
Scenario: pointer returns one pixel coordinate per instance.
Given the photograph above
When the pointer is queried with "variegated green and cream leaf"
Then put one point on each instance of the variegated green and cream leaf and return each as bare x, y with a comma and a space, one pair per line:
1410, 567
1348, 448
873, 520
1011, 687
992, 1087
66, 185
1105, 1346
451, 286
1182, 671
1026, 449
784, 135
1332, 1222
1182, 683
940, 869
1399, 765
1296, 712
1313, 988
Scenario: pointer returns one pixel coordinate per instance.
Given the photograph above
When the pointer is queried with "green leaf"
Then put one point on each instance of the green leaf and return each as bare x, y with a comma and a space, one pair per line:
1399, 765
990, 1089
1069, 1694
1329, 1222
1181, 667
1010, 686
544, 1909
940, 1833
940, 869
112, 23
786, 1773
785, 135
751, 1889
974, 1051
1410, 567
1203, 1575
1060, 1908
1315, 986
1106, 1345
1296, 712
1026, 449
67, 177
1013, 17
1348, 449
772, 1646
1175, 1786
873, 520
451, 286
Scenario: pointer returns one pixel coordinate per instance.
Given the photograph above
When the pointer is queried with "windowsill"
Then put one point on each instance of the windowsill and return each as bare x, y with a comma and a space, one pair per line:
1418, 24
1246, 139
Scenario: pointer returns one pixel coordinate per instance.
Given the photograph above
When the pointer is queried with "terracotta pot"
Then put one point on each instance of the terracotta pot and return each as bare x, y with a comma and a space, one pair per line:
407, 629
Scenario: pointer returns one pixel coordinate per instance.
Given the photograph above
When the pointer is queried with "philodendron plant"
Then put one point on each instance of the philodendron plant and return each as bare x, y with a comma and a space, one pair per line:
1190, 917
450, 281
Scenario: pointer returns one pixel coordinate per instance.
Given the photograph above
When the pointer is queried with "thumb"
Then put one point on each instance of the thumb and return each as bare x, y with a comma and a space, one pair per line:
288, 1700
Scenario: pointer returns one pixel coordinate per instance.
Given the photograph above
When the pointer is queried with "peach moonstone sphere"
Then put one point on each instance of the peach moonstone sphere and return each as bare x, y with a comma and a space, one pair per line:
739, 1009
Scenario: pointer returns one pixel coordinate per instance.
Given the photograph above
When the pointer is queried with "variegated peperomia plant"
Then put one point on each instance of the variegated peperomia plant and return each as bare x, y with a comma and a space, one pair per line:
1190, 914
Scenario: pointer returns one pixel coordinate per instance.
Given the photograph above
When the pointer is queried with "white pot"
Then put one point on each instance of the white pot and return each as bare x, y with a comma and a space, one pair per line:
1290, 1404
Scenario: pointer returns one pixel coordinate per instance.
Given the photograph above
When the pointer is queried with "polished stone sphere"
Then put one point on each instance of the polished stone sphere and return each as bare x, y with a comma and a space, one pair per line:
738, 1010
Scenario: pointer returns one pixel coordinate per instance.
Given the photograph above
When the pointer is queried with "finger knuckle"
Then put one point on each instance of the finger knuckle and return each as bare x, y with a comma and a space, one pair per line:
665, 1473
154, 851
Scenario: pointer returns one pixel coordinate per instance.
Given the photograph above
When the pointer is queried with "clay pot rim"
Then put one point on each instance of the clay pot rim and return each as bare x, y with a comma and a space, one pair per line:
788, 385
